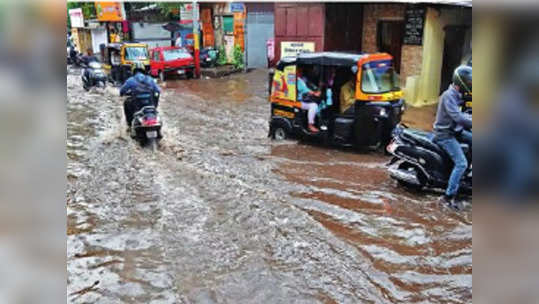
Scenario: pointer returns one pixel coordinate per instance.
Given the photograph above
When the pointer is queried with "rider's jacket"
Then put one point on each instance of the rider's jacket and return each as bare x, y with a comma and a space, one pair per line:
450, 120
142, 89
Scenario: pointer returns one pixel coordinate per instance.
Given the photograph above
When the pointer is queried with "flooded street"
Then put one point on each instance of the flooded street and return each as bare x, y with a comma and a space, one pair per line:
222, 214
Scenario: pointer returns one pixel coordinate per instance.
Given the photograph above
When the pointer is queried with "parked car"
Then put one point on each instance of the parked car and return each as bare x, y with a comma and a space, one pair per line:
171, 60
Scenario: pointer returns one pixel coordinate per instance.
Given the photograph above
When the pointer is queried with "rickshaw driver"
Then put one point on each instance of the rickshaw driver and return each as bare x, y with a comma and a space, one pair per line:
138, 85
305, 96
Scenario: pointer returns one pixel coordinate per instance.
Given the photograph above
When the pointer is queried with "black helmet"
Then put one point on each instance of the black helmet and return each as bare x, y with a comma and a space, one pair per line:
137, 66
463, 78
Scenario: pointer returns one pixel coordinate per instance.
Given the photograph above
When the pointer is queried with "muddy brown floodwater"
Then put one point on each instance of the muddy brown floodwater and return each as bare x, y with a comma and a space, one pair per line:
221, 214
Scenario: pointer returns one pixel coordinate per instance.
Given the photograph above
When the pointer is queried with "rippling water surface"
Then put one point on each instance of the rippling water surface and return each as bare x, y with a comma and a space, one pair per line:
221, 214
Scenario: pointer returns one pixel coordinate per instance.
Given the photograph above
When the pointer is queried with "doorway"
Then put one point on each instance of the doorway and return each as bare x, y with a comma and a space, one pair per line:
390, 35
454, 42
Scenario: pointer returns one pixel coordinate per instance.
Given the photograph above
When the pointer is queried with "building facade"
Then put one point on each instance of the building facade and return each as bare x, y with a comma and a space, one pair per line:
427, 41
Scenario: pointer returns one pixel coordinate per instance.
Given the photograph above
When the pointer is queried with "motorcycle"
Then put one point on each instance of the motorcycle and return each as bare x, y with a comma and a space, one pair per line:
419, 163
146, 124
208, 57
93, 75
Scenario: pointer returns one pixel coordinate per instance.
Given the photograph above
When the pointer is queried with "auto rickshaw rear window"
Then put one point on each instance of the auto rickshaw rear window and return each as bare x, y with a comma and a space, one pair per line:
136, 53
379, 77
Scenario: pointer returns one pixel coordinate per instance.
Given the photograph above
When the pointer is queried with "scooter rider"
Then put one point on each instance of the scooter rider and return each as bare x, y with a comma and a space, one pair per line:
451, 127
142, 89
86, 59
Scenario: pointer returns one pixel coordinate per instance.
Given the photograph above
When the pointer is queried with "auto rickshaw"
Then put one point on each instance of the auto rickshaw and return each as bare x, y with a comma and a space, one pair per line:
119, 57
377, 108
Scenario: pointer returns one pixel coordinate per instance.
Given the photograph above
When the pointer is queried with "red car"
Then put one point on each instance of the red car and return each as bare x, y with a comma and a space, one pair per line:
168, 60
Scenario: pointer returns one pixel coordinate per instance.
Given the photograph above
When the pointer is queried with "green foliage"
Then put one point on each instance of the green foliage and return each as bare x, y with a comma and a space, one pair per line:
171, 9
221, 60
238, 57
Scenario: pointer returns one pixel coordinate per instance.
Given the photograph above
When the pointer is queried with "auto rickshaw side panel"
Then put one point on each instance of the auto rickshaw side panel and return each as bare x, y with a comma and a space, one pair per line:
283, 92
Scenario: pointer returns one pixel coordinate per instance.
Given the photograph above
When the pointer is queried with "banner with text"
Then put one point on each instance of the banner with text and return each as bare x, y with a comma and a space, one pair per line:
76, 18
293, 48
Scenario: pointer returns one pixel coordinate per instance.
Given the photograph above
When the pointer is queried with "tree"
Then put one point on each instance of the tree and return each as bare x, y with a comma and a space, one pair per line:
172, 9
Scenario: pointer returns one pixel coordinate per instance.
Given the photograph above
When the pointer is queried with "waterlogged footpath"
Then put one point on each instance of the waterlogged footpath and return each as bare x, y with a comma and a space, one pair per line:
221, 214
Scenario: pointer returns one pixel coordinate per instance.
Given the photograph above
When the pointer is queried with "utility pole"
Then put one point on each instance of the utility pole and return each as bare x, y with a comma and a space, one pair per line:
196, 38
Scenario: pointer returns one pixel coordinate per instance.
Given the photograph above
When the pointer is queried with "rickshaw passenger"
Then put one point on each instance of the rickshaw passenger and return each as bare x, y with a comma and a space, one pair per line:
305, 96
347, 97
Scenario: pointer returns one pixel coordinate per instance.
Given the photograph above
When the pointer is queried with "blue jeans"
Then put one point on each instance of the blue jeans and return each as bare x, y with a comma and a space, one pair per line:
452, 146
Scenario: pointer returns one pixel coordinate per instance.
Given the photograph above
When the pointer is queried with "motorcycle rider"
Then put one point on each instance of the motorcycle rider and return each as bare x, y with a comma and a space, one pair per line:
142, 89
451, 127
86, 59
89, 57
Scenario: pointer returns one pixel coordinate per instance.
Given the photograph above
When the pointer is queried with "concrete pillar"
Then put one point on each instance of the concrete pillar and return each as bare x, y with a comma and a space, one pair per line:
428, 84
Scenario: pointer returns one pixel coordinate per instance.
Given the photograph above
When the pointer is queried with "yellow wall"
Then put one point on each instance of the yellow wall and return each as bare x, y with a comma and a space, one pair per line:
423, 89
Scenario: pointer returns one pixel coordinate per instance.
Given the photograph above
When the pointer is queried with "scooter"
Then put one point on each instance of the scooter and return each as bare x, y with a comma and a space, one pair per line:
93, 75
208, 57
419, 163
146, 125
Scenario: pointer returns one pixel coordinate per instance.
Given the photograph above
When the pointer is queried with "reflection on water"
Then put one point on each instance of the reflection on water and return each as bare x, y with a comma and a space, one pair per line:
221, 214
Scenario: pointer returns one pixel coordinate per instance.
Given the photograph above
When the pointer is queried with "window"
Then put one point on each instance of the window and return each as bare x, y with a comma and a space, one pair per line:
174, 54
379, 77
156, 56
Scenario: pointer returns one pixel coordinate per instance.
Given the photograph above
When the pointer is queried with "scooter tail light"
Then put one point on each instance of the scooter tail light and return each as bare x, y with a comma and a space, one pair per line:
149, 122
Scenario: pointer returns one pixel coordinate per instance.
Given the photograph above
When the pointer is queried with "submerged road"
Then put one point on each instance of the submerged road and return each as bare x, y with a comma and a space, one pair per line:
222, 214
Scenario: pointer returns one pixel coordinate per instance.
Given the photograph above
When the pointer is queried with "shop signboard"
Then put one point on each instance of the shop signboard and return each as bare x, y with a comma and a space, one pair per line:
186, 13
293, 48
110, 11
413, 25
76, 18
237, 7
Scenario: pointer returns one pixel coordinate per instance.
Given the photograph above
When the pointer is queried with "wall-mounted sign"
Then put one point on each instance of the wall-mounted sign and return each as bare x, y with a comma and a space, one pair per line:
293, 48
413, 25
270, 45
186, 12
110, 11
76, 18
237, 7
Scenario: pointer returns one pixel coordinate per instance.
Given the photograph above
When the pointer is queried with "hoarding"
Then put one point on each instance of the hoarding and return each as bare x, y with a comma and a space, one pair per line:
76, 18
293, 48
110, 11
237, 7
186, 12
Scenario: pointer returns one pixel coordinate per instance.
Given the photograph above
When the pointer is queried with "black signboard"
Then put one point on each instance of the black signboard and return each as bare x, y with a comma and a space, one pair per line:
413, 25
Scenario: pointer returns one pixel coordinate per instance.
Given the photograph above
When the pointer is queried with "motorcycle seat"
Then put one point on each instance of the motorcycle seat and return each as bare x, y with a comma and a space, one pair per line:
424, 139
146, 110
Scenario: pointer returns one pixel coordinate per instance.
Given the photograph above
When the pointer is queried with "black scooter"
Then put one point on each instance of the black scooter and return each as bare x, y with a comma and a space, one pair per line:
93, 75
419, 163
146, 124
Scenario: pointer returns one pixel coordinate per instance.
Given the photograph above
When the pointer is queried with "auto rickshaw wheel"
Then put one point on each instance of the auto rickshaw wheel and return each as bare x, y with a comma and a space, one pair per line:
279, 133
